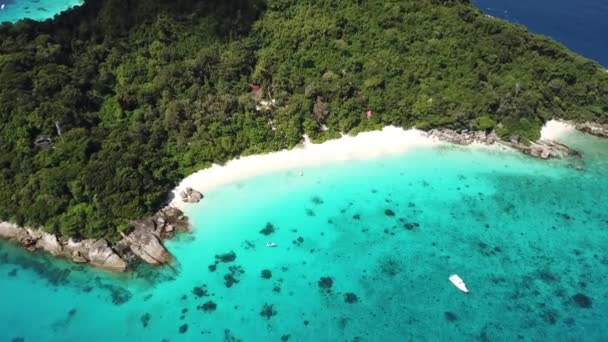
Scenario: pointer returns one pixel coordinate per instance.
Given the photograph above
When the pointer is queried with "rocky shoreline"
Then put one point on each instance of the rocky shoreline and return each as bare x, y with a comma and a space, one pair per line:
598, 130
141, 241
143, 238
542, 149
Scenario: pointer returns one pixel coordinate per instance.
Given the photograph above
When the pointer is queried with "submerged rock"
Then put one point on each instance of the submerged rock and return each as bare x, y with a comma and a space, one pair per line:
145, 319
268, 311
350, 298
266, 274
450, 316
325, 283
582, 301
268, 229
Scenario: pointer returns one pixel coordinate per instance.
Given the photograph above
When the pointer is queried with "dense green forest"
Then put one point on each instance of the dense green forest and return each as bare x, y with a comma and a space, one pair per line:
105, 108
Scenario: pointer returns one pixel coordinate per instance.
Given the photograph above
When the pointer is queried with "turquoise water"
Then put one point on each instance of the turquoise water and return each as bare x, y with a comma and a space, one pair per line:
528, 237
34, 9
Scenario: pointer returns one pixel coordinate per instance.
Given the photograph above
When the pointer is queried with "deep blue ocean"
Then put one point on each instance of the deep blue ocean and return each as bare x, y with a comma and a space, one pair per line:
581, 25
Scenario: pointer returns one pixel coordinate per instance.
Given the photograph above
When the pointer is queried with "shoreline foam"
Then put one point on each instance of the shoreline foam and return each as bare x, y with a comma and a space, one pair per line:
555, 130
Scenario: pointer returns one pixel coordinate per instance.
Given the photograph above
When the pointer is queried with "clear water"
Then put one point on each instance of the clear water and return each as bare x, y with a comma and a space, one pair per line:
527, 236
580, 25
34, 9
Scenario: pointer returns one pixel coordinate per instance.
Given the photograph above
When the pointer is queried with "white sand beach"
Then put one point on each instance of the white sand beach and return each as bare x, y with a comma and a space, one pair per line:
389, 141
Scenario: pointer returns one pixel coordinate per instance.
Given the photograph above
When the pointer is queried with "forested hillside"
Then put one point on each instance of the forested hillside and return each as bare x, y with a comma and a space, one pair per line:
104, 109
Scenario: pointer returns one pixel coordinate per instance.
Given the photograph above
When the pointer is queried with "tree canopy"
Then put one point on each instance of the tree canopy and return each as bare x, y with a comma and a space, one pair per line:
106, 107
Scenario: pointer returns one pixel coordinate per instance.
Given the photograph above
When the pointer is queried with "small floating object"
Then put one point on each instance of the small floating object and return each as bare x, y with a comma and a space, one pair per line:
271, 244
458, 282
301, 173
2, 7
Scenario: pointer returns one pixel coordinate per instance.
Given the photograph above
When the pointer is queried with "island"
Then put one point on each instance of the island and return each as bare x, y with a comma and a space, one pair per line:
107, 107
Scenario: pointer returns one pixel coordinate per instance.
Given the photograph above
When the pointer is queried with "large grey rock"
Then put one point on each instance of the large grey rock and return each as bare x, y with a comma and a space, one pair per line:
144, 241
101, 255
148, 247
13, 232
82, 246
174, 219
49, 243
190, 195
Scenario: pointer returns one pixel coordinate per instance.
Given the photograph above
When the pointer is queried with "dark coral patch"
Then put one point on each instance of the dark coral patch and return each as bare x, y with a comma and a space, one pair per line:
389, 212
13, 272
226, 257
200, 291
145, 319
350, 298
230, 280
390, 266
268, 311
285, 337
325, 283
266, 274
212, 267
550, 317
582, 300
311, 213
317, 200
357, 216
411, 225
118, 294
268, 229
208, 306
450, 316
183, 328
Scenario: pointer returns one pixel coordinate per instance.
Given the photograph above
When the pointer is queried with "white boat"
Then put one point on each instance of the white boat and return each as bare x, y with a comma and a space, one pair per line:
2, 7
271, 244
458, 282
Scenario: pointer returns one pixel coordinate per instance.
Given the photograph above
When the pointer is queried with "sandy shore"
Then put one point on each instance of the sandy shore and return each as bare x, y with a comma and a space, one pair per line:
389, 141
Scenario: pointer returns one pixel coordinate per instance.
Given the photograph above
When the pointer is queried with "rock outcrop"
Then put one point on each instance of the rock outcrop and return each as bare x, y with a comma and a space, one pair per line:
543, 149
102, 255
593, 128
144, 241
190, 195
12, 232
464, 137
49, 243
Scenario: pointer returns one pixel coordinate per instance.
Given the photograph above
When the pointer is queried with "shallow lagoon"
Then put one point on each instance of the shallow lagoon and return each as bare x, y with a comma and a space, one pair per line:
364, 252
